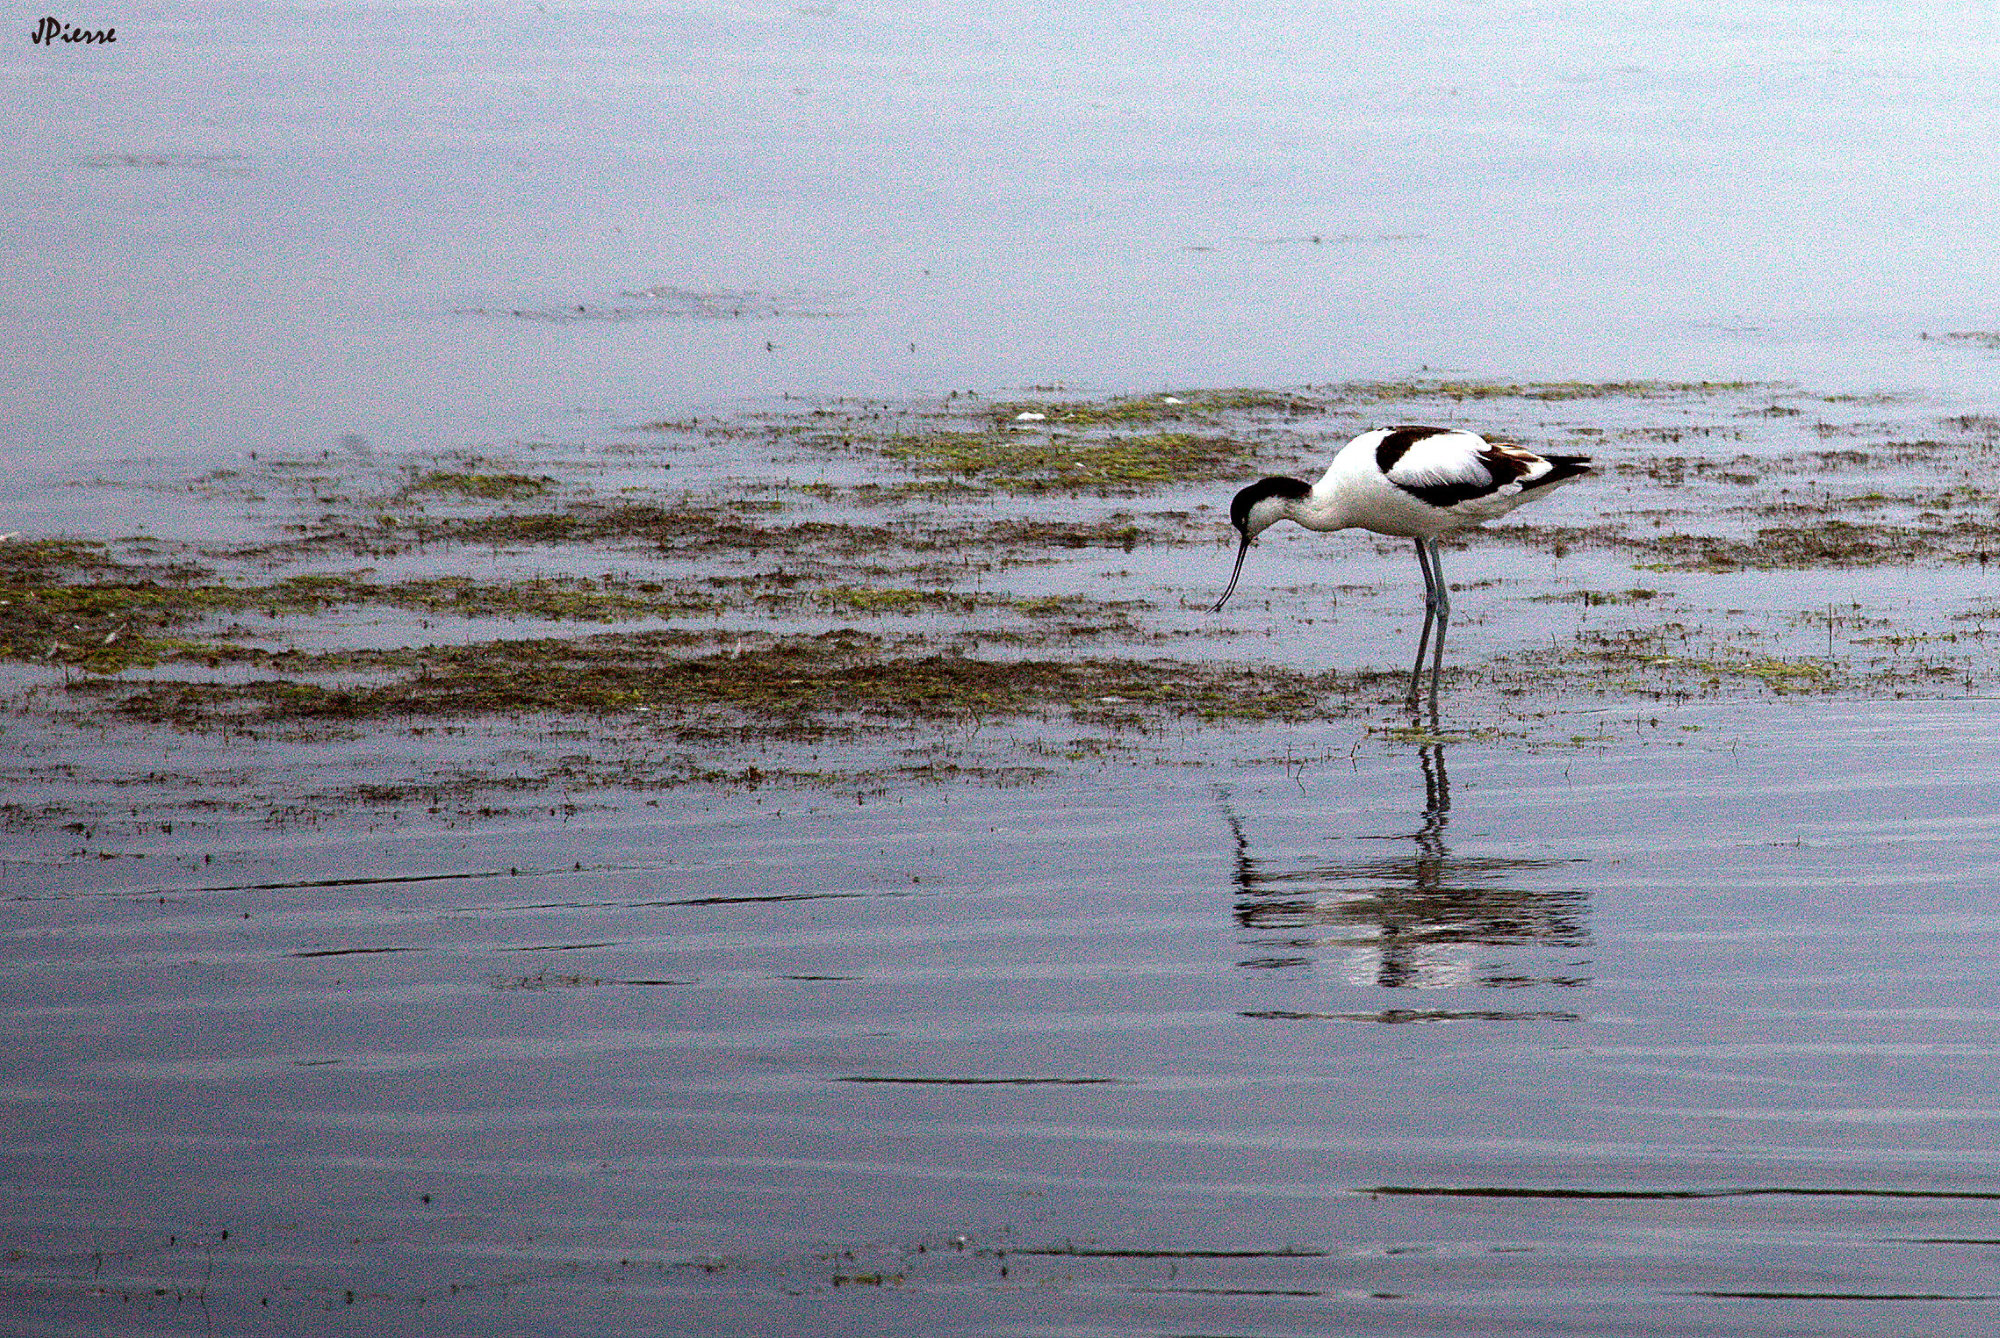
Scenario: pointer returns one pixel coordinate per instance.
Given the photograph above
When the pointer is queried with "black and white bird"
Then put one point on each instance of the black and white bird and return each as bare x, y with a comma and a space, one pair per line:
1414, 483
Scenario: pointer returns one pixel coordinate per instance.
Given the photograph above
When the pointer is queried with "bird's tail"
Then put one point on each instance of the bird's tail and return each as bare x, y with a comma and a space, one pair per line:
1562, 469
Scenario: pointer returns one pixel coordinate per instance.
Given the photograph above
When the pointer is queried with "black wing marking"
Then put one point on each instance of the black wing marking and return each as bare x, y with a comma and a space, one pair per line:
1399, 439
1442, 477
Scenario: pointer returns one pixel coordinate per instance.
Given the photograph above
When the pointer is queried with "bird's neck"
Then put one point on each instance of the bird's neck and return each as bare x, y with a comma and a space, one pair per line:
1320, 509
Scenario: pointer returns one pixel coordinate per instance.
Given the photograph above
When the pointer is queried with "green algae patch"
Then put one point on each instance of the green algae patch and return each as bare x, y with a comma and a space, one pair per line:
491, 487
866, 601
107, 627
1021, 459
555, 598
682, 526
1974, 338
720, 528
1826, 543
77, 604
797, 687
1139, 443
1462, 391
37, 559
71, 602
1144, 410
1781, 675
111, 626
1598, 598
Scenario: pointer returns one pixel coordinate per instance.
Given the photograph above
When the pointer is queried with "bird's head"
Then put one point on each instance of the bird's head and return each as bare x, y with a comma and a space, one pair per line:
1255, 509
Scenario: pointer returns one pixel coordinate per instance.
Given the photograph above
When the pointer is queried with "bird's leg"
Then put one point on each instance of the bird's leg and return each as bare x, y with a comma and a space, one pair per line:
1443, 619
1430, 613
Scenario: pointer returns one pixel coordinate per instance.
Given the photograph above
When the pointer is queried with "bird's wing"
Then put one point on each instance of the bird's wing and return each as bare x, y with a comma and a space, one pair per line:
1444, 468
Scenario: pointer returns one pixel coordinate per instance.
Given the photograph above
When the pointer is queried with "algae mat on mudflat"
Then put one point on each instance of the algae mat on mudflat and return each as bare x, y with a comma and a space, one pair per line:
979, 586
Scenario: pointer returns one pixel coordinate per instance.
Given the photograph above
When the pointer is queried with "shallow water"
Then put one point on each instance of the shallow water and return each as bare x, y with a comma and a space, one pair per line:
1693, 1031
264, 226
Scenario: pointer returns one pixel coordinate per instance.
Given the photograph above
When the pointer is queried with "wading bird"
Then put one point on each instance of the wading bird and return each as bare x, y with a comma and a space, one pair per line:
1413, 483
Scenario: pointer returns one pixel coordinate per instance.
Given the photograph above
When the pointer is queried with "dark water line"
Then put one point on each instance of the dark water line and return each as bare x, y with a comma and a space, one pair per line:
1516, 1192
338, 882
986, 1082
1416, 1015
753, 898
149, 893
1844, 1296
1222, 1291
1087, 1252
350, 952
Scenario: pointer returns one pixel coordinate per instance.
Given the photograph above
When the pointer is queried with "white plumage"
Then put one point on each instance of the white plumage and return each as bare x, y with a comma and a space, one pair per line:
1414, 483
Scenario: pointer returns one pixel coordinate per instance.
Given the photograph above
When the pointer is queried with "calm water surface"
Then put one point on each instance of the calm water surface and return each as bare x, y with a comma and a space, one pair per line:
266, 226
1692, 1031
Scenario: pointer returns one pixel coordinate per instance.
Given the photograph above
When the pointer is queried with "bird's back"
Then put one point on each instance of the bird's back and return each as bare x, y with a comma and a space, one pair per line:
1420, 482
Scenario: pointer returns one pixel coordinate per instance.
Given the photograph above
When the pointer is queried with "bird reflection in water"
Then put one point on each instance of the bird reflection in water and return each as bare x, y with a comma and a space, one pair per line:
1418, 917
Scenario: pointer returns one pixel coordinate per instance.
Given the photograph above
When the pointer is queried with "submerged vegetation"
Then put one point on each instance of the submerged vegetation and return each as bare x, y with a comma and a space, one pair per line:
1022, 461
791, 688
485, 487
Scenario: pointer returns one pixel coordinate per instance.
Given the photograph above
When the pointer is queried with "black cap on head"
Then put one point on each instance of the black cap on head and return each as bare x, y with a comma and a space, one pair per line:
1262, 489
1239, 516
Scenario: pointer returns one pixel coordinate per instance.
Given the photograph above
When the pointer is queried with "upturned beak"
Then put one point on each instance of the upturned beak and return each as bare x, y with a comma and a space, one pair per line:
1242, 551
